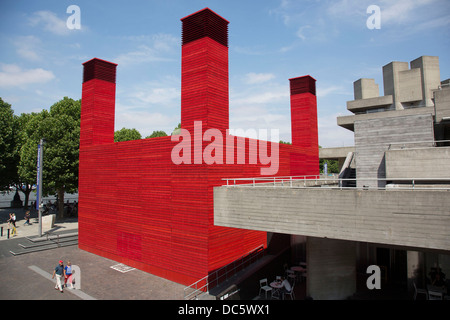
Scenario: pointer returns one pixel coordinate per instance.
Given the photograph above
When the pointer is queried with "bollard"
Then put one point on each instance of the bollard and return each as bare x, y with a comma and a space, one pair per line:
2, 232
8, 234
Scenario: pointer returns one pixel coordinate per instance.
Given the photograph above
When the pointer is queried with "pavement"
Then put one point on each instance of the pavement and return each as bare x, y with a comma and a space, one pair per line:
28, 276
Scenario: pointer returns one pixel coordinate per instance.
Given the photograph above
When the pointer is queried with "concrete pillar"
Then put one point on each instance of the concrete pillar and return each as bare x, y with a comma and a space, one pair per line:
431, 78
331, 268
365, 89
416, 269
391, 81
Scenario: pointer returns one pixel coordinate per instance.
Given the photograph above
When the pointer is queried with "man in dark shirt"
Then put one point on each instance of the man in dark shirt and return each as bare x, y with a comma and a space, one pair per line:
59, 272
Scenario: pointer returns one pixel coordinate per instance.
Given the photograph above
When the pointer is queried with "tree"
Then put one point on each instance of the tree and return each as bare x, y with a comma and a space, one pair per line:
156, 134
8, 146
27, 154
332, 165
125, 134
62, 149
60, 127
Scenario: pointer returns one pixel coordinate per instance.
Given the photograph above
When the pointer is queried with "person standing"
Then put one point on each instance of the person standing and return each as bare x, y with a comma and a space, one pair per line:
59, 272
27, 218
12, 221
68, 275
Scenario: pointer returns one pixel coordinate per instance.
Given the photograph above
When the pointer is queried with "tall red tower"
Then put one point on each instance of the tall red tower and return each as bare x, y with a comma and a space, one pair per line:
204, 70
304, 125
98, 97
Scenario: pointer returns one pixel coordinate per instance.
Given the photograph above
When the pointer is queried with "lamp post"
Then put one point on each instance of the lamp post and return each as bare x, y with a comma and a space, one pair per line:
40, 163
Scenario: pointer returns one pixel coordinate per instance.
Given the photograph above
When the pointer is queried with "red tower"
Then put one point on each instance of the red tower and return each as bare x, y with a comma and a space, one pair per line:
137, 206
204, 70
304, 125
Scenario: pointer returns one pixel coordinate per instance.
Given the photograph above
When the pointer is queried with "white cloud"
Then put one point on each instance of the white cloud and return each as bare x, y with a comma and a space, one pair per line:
13, 76
402, 11
399, 12
50, 22
256, 78
152, 48
331, 135
143, 121
161, 96
28, 47
325, 91
300, 32
259, 95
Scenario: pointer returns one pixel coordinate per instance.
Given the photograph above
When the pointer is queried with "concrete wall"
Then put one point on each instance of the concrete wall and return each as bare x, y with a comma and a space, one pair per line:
335, 153
372, 139
418, 163
331, 268
442, 100
347, 122
410, 86
410, 218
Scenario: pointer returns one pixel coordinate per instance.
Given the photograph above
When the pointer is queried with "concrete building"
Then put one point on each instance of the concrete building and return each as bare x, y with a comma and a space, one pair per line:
395, 214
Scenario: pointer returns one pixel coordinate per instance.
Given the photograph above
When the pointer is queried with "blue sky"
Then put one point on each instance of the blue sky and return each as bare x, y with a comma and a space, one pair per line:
270, 41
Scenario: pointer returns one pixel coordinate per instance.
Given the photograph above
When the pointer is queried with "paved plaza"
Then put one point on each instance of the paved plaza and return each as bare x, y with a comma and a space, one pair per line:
26, 276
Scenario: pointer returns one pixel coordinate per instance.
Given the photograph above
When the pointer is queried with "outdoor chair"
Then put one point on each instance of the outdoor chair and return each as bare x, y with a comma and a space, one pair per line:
419, 291
264, 287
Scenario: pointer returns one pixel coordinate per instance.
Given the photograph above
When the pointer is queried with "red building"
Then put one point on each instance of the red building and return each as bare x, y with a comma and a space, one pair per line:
137, 206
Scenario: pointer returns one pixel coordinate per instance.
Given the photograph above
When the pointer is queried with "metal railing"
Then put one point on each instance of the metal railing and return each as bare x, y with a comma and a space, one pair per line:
220, 275
314, 181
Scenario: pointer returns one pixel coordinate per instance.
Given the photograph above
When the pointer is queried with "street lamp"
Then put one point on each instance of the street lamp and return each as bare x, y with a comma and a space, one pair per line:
40, 164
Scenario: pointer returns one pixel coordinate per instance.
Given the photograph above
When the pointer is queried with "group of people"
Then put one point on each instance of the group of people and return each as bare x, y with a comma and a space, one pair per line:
65, 273
12, 222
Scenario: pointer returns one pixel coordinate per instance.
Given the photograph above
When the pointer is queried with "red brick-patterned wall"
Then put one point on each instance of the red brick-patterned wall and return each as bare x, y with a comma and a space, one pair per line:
139, 208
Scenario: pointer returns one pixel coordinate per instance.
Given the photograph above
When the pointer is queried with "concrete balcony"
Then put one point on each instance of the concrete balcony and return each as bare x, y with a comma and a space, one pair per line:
348, 122
413, 218
370, 103
421, 163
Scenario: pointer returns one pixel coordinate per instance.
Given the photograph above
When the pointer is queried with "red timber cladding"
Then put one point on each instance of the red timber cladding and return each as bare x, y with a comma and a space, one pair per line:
139, 208
304, 125
204, 70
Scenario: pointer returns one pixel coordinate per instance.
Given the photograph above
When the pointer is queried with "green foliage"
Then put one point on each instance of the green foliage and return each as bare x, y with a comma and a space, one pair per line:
156, 134
125, 134
285, 142
60, 127
8, 146
332, 166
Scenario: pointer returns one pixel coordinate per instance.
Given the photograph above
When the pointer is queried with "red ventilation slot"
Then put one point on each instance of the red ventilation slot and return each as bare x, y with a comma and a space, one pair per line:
99, 69
205, 23
302, 85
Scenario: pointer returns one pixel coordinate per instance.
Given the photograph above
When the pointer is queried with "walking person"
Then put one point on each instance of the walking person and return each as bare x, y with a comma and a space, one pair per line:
27, 218
12, 221
59, 272
68, 275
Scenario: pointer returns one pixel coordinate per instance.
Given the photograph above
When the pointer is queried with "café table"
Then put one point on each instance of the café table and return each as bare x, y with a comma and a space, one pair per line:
276, 285
298, 269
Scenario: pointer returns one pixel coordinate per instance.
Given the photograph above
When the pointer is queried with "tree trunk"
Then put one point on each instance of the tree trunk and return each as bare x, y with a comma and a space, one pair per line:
27, 197
26, 192
61, 202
